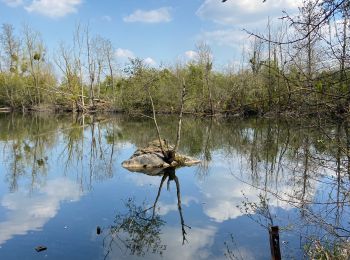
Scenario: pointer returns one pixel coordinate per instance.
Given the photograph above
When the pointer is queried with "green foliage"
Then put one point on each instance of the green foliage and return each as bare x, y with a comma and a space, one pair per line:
323, 251
263, 86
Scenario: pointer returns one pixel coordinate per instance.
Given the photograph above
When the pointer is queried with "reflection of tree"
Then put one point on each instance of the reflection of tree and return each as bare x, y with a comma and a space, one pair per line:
315, 159
137, 231
16, 167
27, 149
206, 156
85, 140
288, 162
170, 174
259, 211
27, 142
232, 254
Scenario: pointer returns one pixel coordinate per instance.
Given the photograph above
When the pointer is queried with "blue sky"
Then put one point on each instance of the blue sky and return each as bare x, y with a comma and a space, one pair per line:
160, 31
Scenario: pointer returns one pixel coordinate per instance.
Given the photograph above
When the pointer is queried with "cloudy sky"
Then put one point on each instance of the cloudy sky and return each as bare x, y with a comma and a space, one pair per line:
159, 31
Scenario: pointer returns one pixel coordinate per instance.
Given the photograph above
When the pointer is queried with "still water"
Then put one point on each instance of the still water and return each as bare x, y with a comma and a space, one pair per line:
62, 183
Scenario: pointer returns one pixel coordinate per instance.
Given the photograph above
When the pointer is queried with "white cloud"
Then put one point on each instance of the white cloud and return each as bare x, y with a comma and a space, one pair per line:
28, 213
225, 37
244, 11
13, 3
53, 8
124, 53
150, 61
191, 54
106, 18
151, 16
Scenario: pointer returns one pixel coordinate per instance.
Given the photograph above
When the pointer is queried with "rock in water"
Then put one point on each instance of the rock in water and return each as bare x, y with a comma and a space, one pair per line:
149, 160
151, 157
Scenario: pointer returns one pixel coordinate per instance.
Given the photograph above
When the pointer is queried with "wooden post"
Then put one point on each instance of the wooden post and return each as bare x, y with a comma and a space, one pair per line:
275, 243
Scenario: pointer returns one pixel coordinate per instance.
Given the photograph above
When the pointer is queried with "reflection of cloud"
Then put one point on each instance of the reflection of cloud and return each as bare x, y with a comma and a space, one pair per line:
198, 247
32, 212
164, 209
141, 180
223, 192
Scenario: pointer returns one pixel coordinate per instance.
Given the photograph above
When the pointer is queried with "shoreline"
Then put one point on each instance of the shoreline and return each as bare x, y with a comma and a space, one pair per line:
283, 115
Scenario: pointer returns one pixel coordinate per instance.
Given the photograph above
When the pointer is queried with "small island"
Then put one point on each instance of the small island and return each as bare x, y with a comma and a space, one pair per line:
155, 157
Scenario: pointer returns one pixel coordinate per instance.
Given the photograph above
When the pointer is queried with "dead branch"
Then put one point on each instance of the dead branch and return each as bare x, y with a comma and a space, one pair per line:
155, 123
178, 135
315, 27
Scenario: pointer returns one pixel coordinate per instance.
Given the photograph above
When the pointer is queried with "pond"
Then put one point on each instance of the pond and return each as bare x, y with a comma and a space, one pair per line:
62, 187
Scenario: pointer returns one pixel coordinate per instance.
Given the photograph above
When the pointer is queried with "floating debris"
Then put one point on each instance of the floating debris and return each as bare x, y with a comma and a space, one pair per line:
98, 230
40, 248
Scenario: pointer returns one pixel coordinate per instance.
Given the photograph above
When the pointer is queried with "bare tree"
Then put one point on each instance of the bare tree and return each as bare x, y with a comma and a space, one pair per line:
65, 62
109, 54
205, 61
34, 51
91, 66
78, 41
10, 45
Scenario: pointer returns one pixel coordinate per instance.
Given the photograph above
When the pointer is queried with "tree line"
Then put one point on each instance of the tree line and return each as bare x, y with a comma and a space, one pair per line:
299, 66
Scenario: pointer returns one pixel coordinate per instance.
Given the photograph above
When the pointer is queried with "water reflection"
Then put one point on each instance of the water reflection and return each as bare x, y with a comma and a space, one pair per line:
138, 230
31, 213
305, 170
293, 174
83, 143
135, 232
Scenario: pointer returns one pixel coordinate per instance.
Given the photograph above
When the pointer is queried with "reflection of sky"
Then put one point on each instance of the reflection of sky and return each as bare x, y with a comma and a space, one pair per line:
165, 208
31, 212
209, 206
215, 201
200, 241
